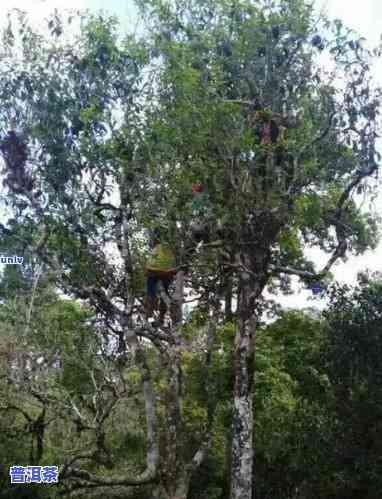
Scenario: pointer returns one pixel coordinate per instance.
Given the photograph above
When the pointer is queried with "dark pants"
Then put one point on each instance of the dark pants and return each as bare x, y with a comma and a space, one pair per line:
152, 284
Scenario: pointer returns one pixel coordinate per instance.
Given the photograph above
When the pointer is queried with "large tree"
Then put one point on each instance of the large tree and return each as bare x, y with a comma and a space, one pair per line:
73, 123
270, 107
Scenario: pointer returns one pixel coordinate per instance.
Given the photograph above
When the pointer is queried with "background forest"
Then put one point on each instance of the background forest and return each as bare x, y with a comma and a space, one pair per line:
269, 111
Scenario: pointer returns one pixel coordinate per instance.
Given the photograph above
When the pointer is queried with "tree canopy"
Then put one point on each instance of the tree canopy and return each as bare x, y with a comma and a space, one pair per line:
269, 108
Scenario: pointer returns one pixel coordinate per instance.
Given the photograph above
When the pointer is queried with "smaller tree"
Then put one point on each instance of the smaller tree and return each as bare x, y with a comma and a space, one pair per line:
354, 351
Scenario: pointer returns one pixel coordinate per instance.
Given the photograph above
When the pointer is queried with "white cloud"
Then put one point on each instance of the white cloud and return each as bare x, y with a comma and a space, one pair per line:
364, 17
44, 5
38, 10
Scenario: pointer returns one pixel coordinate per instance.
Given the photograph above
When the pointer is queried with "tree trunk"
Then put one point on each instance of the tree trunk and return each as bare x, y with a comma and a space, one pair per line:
242, 431
170, 434
175, 472
178, 494
170, 439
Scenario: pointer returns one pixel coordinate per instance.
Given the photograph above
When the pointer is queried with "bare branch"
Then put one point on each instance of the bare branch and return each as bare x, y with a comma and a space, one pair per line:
292, 271
100, 300
97, 202
17, 409
340, 228
148, 476
240, 101
200, 454
152, 455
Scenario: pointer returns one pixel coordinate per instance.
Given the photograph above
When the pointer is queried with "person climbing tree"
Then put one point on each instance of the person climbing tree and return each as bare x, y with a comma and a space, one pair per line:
271, 162
161, 268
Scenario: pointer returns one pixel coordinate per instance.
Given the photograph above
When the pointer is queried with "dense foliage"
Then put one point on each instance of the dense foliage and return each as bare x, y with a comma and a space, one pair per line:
271, 110
318, 399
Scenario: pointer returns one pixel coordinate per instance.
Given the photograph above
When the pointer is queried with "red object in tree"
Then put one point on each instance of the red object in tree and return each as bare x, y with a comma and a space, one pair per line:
196, 188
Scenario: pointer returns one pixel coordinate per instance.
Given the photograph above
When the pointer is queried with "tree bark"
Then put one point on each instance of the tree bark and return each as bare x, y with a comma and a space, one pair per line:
242, 431
175, 471
170, 452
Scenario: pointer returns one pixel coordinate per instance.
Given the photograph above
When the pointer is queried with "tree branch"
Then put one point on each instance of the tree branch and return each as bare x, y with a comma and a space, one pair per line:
340, 227
292, 271
152, 455
320, 137
17, 409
